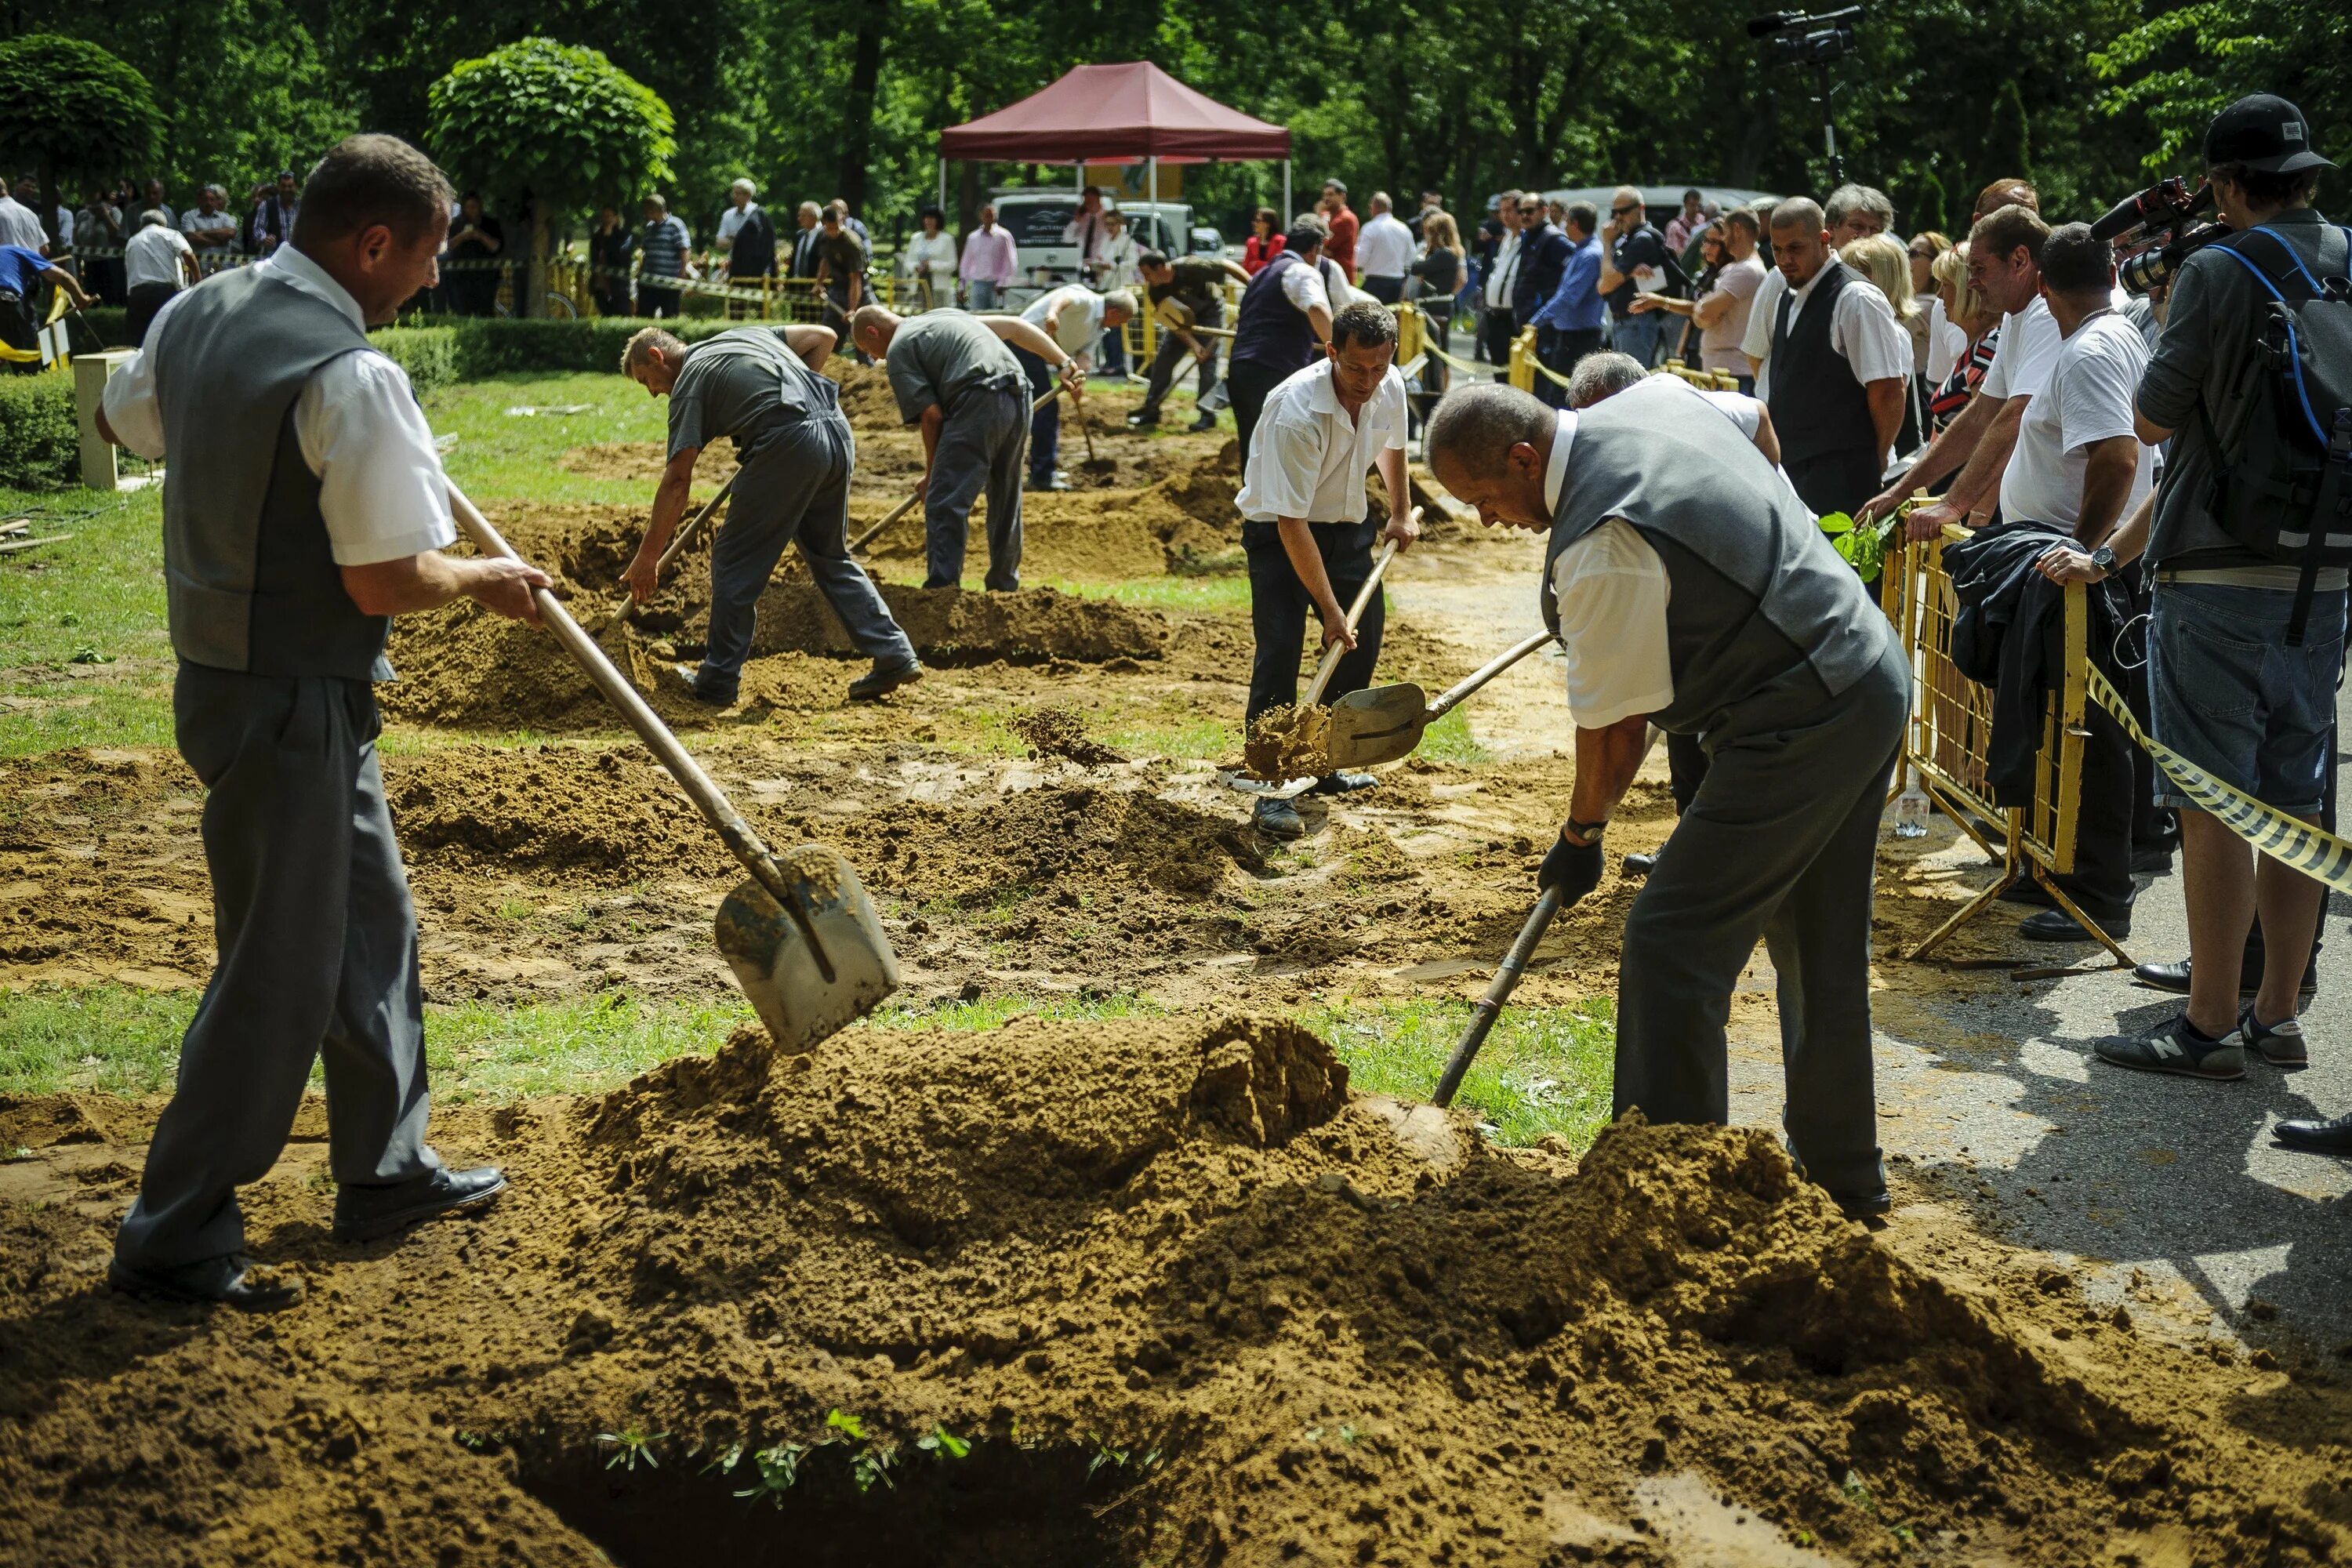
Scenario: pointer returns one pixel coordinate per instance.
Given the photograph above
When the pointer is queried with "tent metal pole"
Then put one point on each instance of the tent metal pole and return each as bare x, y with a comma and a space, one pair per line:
943, 192
1286, 214
1152, 185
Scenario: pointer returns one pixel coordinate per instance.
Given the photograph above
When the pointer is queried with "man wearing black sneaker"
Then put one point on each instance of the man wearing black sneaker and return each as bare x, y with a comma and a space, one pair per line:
2230, 692
762, 387
1304, 528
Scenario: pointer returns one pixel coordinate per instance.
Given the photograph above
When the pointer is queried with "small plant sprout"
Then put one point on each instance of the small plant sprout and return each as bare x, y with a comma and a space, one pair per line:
850, 1426
779, 1468
726, 1460
630, 1445
941, 1443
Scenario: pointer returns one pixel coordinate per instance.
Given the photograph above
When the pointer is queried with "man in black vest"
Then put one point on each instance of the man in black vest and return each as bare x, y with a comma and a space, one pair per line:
289, 538
1690, 589
1838, 364
1282, 327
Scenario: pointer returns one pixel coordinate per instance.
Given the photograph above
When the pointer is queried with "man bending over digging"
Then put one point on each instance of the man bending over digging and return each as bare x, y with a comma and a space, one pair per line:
761, 387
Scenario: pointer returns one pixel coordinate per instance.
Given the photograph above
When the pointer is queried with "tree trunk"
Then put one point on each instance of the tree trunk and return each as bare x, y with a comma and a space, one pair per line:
535, 277
857, 111
969, 195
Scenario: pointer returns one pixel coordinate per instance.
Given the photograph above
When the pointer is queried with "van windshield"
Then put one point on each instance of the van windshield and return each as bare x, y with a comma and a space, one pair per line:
1034, 223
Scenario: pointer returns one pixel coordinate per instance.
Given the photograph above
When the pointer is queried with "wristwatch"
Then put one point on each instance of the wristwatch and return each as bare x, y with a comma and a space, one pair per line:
2105, 559
1589, 832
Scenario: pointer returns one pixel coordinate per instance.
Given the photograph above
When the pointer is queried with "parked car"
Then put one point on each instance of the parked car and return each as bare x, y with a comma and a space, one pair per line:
1660, 202
1036, 215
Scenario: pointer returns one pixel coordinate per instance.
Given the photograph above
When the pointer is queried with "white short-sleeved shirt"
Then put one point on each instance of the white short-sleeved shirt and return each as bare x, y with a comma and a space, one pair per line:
1757, 341
1863, 331
152, 255
1384, 246
1612, 594
1947, 342
2087, 399
20, 225
1080, 311
2027, 349
381, 488
1309, 459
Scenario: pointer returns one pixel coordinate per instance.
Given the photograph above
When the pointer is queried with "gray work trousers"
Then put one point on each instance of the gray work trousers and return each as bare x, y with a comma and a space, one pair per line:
1778, 842
794, 484
982, 444
316, 941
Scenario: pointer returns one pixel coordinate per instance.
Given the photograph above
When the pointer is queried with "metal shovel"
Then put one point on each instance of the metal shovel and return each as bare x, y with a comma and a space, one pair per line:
1490, 1006
799, 932
1385, 723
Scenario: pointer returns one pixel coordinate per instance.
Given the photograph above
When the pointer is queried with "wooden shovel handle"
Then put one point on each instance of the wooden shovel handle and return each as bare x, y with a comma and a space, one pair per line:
904, 507
628, 608
1331, 655
723, 817
1483, 674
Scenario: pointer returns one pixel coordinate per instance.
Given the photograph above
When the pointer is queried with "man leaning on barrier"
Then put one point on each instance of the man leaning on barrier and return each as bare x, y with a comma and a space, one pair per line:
2233, 691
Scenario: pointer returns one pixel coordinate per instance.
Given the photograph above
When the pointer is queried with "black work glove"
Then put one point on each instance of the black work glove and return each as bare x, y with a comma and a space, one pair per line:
1573, 868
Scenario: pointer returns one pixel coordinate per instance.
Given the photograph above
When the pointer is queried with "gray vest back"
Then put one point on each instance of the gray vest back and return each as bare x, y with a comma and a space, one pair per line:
250, 580
1754, 592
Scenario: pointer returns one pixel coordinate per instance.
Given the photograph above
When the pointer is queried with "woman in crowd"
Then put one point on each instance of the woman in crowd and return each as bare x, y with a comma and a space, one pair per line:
1265, 242
1883, 259
1439, 274
929, 260
1965, 352
608, 262
1925, 246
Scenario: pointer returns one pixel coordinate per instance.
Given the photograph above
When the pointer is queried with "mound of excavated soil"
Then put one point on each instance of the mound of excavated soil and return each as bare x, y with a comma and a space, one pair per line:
1061, 731
1289, 742
865, 394
951, 627
1185, 1300
1100, 534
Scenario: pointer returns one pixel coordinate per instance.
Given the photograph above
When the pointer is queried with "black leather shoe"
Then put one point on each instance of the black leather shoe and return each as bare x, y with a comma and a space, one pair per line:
2175, 977
231, 1281
1341, 784
1277, 819
2330, 1137
370, 1213
886, 677
1143, 419
1863, 1205
1205, 421
1637, 866
2057, 925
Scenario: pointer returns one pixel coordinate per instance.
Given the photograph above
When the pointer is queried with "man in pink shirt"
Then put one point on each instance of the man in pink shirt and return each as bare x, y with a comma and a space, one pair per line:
1342, 247
987, 269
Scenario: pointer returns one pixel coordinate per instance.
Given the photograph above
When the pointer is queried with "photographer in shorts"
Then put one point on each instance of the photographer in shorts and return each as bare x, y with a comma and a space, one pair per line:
2238, 689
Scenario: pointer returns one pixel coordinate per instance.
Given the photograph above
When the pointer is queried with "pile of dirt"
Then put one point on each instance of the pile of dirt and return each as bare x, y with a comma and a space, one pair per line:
865, 394
1289, 742
611, 812
1211, 1307
951, 627
1099, 536
1061, 731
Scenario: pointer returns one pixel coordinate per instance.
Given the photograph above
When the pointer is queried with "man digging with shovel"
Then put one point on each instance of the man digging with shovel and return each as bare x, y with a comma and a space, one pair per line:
1692, 589
1304, 528
306, 505
761, 387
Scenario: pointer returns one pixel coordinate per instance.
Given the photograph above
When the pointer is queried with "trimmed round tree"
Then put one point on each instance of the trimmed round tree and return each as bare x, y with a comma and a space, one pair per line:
68, 107
560, 128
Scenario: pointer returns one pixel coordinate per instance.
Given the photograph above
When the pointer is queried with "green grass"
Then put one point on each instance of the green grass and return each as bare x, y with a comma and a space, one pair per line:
1545, 1071
93, 605
1450, 740
498, 454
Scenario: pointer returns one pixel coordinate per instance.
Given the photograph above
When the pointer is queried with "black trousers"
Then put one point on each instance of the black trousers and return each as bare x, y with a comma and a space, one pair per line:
1559, 349
1387, 291
1247, 382
18, 330
1496, 331
1835, 481
1279, 607
145, 301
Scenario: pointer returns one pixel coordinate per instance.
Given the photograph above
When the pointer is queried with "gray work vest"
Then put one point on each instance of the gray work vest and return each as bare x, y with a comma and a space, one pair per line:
1754, 592
250, 579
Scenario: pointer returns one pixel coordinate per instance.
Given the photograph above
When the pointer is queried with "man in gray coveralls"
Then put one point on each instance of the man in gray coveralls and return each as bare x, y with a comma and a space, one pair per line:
959, 383
306, 504
1691, 589
761, 386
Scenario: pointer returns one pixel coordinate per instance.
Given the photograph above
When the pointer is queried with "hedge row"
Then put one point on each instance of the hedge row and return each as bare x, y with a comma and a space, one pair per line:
39, 446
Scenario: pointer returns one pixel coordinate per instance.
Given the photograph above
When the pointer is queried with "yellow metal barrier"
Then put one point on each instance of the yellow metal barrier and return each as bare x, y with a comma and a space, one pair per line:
1949, 740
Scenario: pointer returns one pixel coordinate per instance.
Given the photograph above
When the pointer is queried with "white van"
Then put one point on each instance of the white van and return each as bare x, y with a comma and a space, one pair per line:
1036, 215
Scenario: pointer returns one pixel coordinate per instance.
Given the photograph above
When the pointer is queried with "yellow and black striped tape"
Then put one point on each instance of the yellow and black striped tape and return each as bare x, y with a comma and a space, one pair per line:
2318, 854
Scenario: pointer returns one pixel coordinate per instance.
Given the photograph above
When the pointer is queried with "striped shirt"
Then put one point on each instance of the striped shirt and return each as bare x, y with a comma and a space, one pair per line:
663, 245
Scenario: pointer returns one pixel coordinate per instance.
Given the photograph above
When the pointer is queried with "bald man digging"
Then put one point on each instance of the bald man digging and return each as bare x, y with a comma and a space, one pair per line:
1691, 589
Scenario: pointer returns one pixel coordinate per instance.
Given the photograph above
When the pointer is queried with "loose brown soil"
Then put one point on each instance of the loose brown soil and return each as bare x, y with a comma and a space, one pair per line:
1060, 731
1289, 742
1312, 1328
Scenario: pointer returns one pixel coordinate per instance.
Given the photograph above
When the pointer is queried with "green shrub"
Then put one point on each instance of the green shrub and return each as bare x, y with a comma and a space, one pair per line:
40, 446
501, 345
429, 355
111, 324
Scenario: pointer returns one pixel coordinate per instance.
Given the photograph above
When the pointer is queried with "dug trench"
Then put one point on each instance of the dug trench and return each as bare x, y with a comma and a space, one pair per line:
1160, 1291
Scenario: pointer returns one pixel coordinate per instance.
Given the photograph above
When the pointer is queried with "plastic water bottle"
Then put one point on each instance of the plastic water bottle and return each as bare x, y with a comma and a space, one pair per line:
1911, 807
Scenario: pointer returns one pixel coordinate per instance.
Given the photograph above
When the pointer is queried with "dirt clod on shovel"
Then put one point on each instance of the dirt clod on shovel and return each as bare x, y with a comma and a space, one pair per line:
1289, 742
1059, 731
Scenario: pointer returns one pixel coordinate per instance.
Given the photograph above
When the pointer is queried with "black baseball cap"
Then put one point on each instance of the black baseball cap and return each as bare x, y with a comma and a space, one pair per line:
2266, 132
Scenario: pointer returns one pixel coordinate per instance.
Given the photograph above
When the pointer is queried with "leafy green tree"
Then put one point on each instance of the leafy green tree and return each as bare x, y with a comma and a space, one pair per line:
557, 127
2181, 65
71, 108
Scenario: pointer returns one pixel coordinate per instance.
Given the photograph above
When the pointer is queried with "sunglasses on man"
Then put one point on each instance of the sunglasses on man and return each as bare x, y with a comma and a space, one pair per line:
1621, 212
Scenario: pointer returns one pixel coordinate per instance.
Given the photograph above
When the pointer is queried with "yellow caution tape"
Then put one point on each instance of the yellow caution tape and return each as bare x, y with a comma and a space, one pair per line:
2318, 854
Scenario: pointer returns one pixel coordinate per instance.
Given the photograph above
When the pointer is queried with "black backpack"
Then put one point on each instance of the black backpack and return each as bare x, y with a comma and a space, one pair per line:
2286, 490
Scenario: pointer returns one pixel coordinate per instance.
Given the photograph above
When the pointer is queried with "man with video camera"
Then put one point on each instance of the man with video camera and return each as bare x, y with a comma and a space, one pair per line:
2251, 381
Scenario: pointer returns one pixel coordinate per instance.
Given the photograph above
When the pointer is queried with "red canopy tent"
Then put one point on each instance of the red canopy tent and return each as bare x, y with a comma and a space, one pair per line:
1119, 112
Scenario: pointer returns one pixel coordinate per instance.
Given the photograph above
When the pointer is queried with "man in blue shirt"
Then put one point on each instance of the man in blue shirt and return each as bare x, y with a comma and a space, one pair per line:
21, 271
1568, 325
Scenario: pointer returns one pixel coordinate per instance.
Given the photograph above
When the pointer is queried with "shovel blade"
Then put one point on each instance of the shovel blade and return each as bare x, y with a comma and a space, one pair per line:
1377, 726
781, 972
